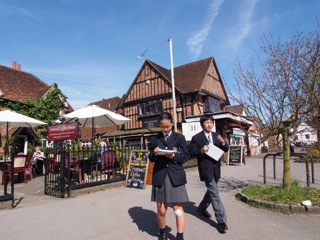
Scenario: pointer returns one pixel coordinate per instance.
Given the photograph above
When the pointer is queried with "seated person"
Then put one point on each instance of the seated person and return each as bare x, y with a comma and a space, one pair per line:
37, 160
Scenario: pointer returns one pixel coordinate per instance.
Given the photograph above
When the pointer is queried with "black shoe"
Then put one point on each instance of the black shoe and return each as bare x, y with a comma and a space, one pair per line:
162, 236
222, 228
205, 213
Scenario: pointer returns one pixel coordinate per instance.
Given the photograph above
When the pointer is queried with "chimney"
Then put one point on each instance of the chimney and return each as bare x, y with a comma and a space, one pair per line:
19, 67
14, 65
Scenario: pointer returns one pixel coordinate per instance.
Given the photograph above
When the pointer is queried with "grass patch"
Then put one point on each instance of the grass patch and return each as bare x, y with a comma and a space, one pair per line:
294, 196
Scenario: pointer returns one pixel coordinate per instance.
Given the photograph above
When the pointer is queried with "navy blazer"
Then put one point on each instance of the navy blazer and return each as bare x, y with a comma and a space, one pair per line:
207, 166
163, 165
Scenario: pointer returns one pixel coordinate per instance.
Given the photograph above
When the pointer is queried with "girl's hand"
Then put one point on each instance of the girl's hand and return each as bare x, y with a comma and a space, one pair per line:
171, 155
156, 150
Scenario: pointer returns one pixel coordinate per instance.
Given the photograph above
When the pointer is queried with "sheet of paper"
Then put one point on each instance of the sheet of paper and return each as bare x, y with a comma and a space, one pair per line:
165, 152
214, 152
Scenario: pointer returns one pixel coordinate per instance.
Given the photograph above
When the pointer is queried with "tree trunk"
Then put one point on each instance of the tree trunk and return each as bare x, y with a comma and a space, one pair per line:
286, 159
246, 141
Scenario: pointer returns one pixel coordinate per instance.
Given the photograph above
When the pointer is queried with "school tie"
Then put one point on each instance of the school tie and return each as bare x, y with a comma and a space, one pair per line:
166, 137
209, 138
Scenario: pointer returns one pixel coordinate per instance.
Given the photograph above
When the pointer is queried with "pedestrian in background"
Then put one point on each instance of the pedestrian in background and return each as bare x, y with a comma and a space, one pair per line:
169, 178
209, 170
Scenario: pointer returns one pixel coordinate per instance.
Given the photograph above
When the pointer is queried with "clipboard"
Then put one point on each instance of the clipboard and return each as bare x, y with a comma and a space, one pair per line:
214, 152
165, 152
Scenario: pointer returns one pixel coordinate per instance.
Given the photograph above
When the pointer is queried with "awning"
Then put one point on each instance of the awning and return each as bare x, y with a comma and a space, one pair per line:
132, 133
223, 115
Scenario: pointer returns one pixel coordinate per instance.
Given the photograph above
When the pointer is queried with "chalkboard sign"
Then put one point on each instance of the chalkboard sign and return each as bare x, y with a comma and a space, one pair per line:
235, 155
137, 170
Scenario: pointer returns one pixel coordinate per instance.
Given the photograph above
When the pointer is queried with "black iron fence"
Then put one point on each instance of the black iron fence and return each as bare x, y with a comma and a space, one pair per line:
7, 168
68, 168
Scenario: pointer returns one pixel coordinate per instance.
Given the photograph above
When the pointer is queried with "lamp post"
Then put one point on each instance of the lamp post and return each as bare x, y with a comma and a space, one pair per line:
173, 87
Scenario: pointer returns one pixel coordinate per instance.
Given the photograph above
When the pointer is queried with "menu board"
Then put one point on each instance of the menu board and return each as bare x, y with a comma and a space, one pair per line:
137, 170
235, 154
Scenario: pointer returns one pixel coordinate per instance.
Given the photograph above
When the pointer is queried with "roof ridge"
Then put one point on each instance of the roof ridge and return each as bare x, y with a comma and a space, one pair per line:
20, 85
25, 72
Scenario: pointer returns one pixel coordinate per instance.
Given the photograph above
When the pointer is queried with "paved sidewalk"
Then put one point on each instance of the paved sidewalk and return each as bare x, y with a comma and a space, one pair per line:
123, 213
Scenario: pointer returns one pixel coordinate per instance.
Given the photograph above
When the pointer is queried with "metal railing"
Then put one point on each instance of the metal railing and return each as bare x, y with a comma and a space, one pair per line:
300, 155
8, 195
69, 168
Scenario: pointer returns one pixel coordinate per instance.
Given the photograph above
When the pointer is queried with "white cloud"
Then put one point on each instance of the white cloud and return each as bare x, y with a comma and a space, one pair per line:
196, 41
14, 10
245, 24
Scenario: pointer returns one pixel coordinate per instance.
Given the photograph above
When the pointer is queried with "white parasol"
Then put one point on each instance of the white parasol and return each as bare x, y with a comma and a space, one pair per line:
10, 118
94, 116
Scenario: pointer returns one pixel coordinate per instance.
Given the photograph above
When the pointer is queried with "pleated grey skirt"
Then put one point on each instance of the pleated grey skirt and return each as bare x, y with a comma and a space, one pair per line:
167, 193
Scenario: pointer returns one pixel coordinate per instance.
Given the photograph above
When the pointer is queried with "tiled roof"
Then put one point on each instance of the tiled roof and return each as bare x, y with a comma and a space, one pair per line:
163, 71
239, 109
109, 104
20, 85
189, 77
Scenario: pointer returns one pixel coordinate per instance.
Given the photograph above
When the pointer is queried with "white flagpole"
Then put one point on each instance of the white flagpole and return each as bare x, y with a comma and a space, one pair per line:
173, 87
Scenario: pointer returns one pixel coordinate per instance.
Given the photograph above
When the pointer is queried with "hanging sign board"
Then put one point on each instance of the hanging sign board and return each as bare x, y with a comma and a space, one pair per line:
138, 169
64, 131
235, 154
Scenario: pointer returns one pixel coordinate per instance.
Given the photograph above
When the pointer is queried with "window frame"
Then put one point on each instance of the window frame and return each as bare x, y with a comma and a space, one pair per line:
150, 108
211, 105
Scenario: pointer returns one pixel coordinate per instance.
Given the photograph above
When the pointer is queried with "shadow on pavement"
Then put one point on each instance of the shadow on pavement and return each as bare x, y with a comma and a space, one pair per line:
230, 184
146, 221
192, 209
17, 201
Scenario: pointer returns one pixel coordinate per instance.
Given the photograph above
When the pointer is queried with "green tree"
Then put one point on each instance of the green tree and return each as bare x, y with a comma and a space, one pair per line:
281, 89
46, 110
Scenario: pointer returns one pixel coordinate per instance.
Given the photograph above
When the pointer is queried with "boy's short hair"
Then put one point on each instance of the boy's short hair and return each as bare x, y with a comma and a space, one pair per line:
205, 118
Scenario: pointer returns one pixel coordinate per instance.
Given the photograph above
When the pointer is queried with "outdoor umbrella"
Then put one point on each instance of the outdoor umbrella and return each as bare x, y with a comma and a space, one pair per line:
10, 118
94, 116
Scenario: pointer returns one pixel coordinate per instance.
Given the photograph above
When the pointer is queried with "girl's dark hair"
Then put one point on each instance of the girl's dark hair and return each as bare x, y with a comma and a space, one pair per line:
165, 115
205, 118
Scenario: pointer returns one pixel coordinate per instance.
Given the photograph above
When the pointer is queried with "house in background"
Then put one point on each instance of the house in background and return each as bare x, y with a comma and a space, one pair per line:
198, 89
19, 86
305, 135
250, 139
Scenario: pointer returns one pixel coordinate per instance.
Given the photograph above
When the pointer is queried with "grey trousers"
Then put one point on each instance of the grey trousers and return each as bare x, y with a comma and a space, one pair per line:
212, 196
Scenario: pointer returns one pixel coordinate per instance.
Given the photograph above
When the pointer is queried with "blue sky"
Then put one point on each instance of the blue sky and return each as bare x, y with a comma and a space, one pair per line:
90, 48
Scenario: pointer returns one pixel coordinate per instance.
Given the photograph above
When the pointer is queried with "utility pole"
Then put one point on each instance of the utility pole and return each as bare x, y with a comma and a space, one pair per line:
173, 87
